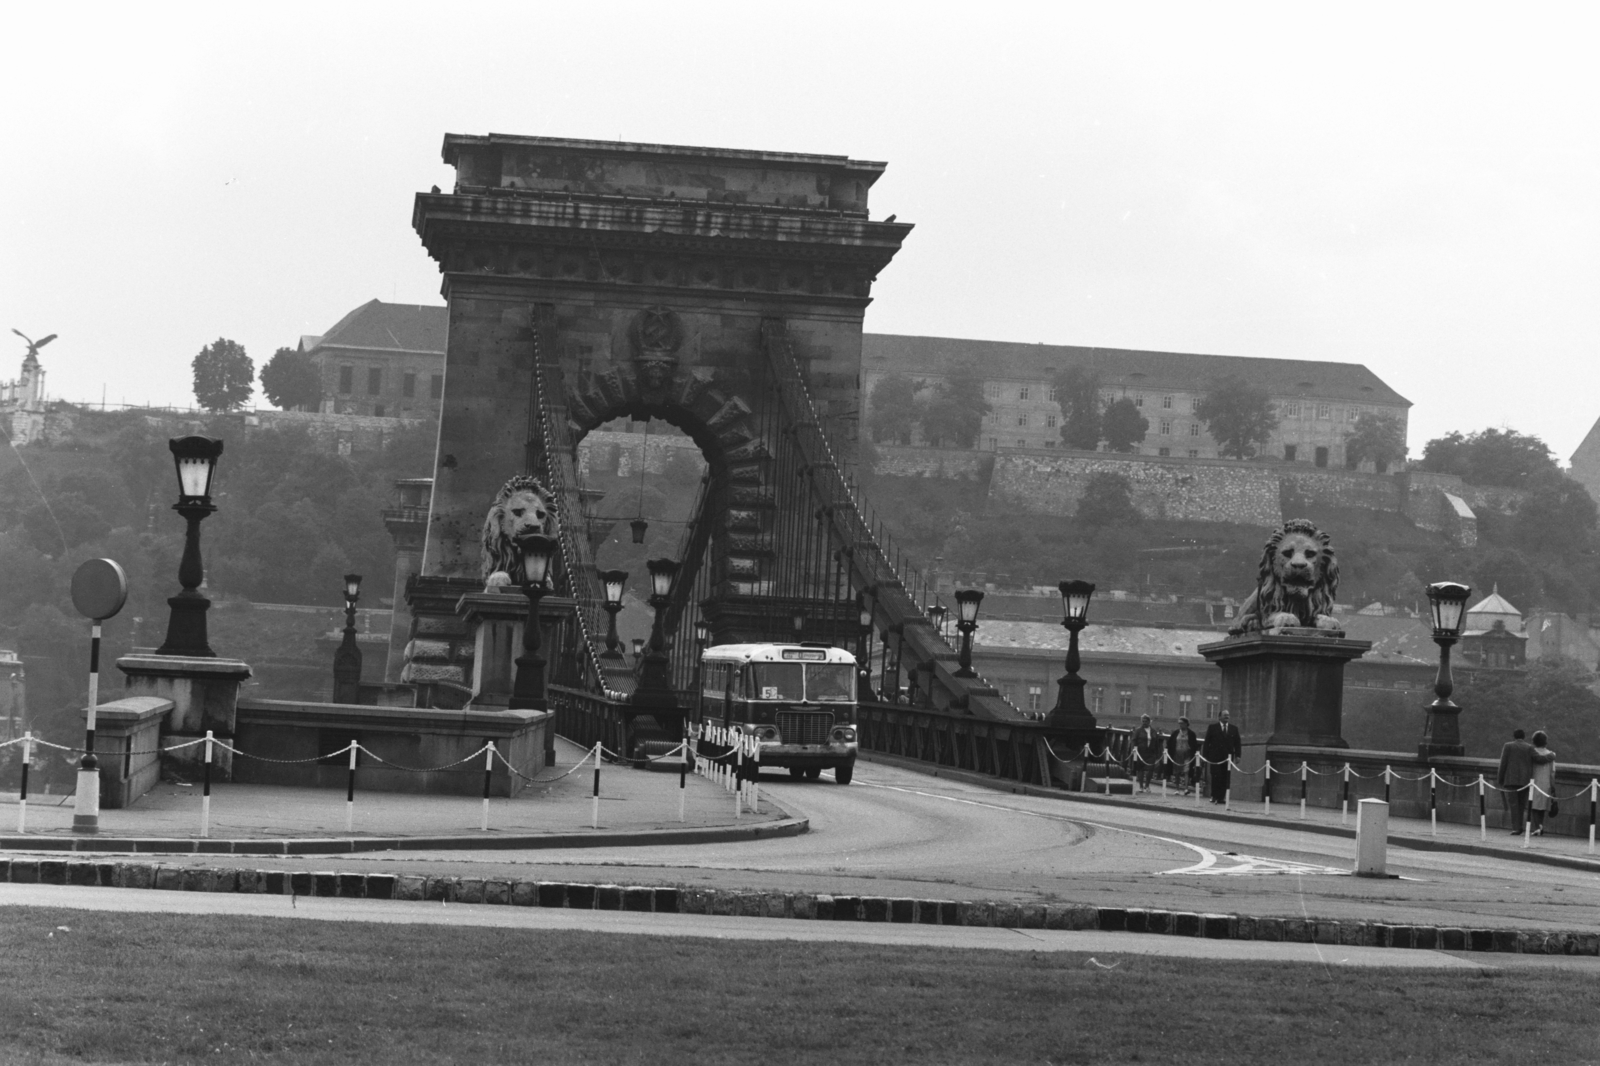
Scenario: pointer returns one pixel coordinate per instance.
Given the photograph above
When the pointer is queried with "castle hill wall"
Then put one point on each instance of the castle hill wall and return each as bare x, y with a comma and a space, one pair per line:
897, 461
1201, 490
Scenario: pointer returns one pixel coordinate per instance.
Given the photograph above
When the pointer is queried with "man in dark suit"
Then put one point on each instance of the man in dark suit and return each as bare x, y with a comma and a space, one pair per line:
1222, 742
1516, 770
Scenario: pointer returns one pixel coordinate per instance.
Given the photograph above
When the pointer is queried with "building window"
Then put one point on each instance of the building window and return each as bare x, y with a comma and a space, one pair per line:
374, 380
346, 377
1324, 410
1194, 429
1194, 453
994, 444
1050, 421
1288, 452
1022, 393
436, 387
1022, 419
1138, 401
991, 390
1321, 456
1158, 704
1052, 394
1035, 697
1166, 428
1097, 699
1125, 702
1213, 705
1166, 403
1163, 451
1021, 443
377, 410
1291, 410
408, 384
1185, 704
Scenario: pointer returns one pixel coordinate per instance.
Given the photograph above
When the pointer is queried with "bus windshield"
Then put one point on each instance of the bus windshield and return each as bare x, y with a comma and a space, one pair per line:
794, 682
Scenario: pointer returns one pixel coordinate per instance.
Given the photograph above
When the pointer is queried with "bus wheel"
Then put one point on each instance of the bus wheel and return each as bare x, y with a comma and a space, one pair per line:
843, 774
797, 772
813, 773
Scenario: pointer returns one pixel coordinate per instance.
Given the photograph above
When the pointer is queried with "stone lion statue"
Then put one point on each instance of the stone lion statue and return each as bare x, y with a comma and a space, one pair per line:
521, 506
1298, 579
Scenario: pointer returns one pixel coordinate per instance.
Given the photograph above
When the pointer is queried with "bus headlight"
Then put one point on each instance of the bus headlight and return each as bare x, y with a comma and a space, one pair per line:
844, 734
768, 734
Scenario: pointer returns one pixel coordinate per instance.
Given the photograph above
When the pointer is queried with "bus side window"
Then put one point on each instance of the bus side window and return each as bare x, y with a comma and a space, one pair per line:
732, 693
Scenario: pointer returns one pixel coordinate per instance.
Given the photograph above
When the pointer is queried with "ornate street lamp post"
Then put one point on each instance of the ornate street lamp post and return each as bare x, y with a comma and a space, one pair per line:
702, 639
967, 601
612, 580
347, 660
937, 613
196, 460
655, 674
1070, 708
1441, 733
527, 691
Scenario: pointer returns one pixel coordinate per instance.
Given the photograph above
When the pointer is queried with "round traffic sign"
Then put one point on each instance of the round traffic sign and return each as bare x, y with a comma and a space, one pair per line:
99, 589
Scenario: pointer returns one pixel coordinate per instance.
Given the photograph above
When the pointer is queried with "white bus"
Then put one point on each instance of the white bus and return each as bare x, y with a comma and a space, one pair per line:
798, 699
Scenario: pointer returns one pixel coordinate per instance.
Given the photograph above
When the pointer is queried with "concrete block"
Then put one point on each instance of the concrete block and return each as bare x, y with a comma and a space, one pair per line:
804, 905
1072, 916
470, 890
636, 898
775, 905
1425, 937
410, 887
927, 911
169, 878
52, 871
847, 908
666, 900
694, 901
139, 875
550, 894
226, 880
1218, 926
1135, 920
439, 890
608, 897
1247, 927
1586, 943
24, 871
874, 909
1325, 932
1113, 919
1270, 929
949, 912
1481, 940
82, 873
108, 874
724, 903
749, 904
1372, 838
824, 907
1454, 940
580, 897
1031, 916
277, 882
5, 870
325, 883
300, 883
1402, 936
975, 913
351, 886
380, 886
1296, 931
524, 894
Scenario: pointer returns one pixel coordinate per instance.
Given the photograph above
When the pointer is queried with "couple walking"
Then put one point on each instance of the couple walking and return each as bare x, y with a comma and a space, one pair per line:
1522, 763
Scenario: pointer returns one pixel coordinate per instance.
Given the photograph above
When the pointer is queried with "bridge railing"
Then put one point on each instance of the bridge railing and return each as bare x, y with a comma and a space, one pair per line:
1024, 751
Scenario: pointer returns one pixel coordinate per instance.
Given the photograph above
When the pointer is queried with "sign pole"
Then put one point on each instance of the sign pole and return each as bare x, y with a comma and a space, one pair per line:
99, 589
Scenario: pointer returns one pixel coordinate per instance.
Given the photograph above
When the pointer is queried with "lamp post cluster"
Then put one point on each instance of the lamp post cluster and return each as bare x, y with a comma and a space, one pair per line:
1070, 708
347, 660
1441, 732
196, 459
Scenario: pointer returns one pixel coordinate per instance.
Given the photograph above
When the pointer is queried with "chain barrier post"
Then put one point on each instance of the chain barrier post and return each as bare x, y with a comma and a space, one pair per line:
1302, 790
1161, 764
738, 776
594, 817
755, 775
683, 777
1195, 764
86, 804
1266, 790
1594, 796
1344, 804
1527, 817
1107, 770
1483, 811
488, 776
1083, 778
350, 791
1227, 793
1433, 800
28, 757
1386, 775
205, 793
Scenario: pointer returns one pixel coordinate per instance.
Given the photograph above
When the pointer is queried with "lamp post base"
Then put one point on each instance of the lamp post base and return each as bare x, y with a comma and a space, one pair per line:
1070, 711
1441, 734
186, 627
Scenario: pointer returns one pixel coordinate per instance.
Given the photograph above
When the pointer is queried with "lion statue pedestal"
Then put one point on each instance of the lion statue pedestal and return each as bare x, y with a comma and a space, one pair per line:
1283, 662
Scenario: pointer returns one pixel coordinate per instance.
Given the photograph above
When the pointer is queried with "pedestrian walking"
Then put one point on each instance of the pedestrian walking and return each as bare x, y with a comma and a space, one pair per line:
1146, 752
1544, 781
1222, 742
1516, 770
1182, 745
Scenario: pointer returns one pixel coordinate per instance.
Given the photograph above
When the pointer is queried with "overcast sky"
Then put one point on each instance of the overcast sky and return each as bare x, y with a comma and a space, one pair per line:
1413, 187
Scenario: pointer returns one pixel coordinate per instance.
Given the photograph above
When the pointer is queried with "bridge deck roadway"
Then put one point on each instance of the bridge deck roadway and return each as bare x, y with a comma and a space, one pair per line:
898, 832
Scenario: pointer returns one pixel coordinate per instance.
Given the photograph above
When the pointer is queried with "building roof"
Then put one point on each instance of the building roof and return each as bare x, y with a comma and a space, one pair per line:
1493, 608
1121, 367
376, 325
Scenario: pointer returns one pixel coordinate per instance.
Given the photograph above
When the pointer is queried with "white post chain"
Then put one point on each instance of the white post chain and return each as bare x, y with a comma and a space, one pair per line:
1433, 809
1527, 817
738, 777
1227, 794
1594, 798
755, 776
1483, 818
27, 758
1344, 800
594, 813
488, 769
1302, 790
205, 799
1266, 789
1197, 768
1161, 763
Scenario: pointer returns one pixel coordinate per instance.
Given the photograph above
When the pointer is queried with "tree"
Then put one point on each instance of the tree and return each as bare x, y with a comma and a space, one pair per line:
954, 414
1078, 393
1107, 500
1378, 437
1489, 457
1553, 694
222, 376
291, 379
1122, 426
1238, 415
1557, 515
893, 409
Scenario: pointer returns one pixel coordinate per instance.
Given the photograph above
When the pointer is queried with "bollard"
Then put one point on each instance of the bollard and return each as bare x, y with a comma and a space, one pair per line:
1433, 800
1483, 812
1386, 782
755, 775
1527, 817
594, 816
1302, 790
1227, 794
1083, 778
1594, 796
738, 776
350, 791
1344, 804
1195, 769
205, 791
1266, 790
1372, 838
683, 777
28, 757
1161, 764
488, 777
1107, 770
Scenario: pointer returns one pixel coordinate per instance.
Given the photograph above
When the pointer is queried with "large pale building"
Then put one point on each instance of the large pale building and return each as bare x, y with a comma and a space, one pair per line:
385, 360
1317, 403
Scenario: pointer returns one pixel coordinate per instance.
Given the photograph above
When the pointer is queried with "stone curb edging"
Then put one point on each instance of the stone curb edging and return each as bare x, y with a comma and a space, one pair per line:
677, 899
787, 827
1235, 816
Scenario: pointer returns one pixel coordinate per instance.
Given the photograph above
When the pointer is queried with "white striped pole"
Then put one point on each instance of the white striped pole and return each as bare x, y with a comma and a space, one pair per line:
1197, 768
1433, 800
683, 775
488, 776
755, 776
1162, 763
1302, 790
738, 776
1266, 790
1483, 812
350, 791
594, 816
205, 794
1227, 794
28, 757
1594, 800
86, 803
1344, 804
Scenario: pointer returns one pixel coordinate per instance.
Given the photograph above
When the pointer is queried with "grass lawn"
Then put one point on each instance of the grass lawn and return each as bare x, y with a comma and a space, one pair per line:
179, 989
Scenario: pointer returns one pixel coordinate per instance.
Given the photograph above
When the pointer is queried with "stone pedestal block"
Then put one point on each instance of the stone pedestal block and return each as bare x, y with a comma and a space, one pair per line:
204, 694
1283, 688
495, 620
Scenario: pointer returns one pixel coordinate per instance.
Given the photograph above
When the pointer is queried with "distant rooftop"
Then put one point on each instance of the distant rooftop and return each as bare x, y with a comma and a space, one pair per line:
378, 326
1124, 367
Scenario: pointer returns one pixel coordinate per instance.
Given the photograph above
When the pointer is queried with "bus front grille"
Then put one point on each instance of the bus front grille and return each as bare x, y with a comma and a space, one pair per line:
804, 727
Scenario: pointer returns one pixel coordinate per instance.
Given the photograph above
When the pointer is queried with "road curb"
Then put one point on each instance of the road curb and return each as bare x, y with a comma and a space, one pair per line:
803, 906
968, 777
787, 827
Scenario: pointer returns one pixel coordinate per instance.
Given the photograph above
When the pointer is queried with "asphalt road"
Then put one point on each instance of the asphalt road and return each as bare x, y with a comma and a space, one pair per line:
894, 832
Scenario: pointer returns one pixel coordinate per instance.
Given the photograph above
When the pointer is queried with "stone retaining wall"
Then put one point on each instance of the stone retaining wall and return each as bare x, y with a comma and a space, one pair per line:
1202, 490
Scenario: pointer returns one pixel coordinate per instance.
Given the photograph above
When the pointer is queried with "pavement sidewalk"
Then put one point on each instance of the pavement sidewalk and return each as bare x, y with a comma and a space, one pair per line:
555, 811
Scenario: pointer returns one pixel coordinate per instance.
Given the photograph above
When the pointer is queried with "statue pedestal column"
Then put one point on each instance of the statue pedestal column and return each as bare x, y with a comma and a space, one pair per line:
495, 620
1283, 687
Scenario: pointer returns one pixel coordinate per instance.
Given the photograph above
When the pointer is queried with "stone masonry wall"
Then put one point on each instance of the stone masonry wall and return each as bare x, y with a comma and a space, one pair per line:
895, 461
1204, 490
